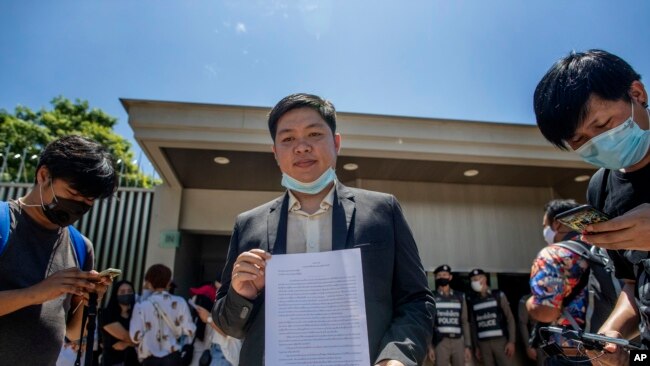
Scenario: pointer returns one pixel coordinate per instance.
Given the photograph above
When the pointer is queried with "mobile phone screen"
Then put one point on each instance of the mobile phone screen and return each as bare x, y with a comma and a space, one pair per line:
580, 217
110, 272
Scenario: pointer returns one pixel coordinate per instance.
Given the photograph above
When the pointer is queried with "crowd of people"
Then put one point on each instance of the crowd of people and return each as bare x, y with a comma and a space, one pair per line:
595, 280
156, 327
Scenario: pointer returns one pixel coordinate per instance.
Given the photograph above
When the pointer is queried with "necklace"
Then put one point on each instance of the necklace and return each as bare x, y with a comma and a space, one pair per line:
22, 203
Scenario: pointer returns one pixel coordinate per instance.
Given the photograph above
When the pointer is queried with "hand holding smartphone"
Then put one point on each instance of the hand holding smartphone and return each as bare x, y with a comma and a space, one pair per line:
580, 217
110, 272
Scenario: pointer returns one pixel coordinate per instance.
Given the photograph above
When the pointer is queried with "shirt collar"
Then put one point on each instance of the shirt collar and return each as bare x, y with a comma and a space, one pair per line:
326, 203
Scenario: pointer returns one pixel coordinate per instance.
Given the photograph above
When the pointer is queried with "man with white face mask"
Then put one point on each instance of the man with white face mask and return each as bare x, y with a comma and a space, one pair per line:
553, 230
559, 294
595, 103
317, 213
492, 322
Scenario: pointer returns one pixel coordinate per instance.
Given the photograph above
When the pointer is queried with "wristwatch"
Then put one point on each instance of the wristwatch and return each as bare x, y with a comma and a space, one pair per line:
210, 320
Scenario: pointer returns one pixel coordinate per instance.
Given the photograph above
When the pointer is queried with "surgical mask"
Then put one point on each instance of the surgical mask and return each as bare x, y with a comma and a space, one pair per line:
309, 188
549, 235
476, 286
442, 282
127, 299
618, 148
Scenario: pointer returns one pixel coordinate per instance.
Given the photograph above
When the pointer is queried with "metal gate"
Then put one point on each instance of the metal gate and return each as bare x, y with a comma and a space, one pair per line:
118, 228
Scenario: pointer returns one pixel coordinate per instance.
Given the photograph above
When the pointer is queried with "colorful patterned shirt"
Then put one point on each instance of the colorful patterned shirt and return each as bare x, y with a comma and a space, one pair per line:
553, 276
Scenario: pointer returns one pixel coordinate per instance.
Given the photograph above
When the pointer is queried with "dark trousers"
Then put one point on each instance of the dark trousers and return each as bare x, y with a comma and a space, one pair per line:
172, 359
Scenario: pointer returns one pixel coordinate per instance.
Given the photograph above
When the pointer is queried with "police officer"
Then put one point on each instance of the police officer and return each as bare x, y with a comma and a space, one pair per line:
492, 323
451, 339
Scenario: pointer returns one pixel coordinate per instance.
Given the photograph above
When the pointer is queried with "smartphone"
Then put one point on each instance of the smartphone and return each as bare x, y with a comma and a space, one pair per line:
579, 217
110, 272
592, 337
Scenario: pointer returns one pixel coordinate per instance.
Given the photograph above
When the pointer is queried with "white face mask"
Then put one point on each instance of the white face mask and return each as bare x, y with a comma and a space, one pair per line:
312, 187
549, 235
618, 148
476, 286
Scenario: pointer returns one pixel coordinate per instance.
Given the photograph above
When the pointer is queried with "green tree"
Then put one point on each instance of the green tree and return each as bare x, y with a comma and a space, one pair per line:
25, 133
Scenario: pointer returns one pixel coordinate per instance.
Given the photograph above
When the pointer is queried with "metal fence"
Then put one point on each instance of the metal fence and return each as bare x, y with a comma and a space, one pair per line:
118, 228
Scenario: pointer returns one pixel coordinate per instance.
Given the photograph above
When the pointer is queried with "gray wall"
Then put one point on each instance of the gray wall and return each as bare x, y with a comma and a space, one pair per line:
497, 228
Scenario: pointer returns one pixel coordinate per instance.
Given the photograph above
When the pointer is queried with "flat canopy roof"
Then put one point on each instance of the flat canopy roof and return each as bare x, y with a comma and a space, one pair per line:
183, 139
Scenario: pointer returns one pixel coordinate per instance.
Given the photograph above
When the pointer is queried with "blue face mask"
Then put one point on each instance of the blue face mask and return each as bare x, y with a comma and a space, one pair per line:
309, 188
618, 148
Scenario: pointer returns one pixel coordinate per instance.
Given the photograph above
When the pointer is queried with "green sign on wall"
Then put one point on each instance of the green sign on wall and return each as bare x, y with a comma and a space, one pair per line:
170, 239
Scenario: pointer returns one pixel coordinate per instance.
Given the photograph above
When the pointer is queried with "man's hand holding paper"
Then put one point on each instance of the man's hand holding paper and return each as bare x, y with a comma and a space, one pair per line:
248, 273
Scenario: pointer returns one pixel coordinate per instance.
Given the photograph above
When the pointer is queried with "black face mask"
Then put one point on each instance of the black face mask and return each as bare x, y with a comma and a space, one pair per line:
128, 299
442, 282
63, 211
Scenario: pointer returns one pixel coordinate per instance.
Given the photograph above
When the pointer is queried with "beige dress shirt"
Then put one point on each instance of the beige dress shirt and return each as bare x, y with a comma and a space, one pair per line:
310, 233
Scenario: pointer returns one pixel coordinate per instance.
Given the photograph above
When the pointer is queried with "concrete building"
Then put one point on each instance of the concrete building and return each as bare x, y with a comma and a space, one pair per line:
216, 162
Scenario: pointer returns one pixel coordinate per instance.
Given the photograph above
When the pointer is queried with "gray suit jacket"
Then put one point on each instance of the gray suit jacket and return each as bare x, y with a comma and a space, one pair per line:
399, 304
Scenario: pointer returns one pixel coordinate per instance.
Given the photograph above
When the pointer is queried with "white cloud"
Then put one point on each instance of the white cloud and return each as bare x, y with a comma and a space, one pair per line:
307, 7
212, 72
240, 28
273, 7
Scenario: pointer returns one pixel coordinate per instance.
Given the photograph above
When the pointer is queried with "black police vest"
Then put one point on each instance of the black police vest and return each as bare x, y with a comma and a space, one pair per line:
487, 316
448, 314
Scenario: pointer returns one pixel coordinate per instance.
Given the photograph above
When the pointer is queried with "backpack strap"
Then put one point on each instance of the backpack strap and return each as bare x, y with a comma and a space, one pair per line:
582, 283
5, 222
78, 242
597, 193
175, 332
79, 245
583, 251
571, 319
577, 247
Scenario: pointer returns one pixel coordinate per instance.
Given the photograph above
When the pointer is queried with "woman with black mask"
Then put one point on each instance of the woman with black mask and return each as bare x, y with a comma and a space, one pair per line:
118, 348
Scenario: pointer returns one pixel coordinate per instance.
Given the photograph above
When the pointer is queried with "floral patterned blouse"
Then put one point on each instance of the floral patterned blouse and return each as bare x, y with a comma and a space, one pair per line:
149, 330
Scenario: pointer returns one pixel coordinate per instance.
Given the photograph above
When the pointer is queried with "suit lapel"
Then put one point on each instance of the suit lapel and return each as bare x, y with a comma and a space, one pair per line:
342, 214
277, 226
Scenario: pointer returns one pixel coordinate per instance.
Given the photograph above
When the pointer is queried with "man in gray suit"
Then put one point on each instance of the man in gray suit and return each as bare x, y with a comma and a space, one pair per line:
317, 214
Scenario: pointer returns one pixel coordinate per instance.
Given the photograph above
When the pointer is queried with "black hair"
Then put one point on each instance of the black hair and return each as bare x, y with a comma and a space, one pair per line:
113, 306
554, 207
561, 98
84, 164
299, 100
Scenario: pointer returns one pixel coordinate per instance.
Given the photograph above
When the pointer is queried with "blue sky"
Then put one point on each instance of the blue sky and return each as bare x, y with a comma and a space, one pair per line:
468, 60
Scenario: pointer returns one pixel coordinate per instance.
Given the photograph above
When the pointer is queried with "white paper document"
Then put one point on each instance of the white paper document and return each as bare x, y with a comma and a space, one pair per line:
315, 311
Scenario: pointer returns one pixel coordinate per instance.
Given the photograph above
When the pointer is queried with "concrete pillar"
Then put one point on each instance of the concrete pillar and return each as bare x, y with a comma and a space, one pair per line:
165, 214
